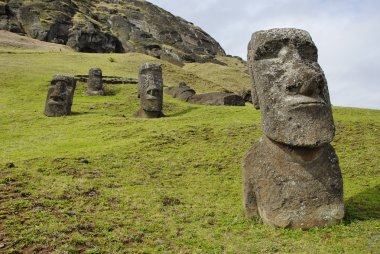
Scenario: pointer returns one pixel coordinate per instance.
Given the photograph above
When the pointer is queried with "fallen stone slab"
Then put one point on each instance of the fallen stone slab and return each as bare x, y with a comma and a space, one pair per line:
182, 91
217, 99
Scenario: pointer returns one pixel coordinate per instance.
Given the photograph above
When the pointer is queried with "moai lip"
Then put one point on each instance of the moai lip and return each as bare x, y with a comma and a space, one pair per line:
95, 82
60, 96
291, 176
150, 91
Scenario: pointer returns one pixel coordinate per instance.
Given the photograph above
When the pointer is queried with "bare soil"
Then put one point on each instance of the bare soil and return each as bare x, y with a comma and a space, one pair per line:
13, 40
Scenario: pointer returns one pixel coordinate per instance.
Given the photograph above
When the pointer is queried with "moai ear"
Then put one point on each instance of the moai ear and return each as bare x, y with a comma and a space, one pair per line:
255, 98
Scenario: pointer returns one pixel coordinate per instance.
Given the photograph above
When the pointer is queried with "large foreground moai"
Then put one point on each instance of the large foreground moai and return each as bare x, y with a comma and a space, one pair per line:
95, 82
150, 91
291, 176
60, 96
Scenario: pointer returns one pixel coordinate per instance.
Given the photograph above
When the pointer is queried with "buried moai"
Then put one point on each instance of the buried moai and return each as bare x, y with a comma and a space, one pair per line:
60, 96
95, 82
291, 176
150, 91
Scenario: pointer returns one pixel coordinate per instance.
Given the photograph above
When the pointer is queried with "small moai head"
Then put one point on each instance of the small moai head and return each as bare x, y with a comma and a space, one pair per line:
60, 96
151, 87
95, 82
290, 88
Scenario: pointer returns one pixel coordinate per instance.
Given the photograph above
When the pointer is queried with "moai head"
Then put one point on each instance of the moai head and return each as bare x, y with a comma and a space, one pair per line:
151, 87
60, 96
290, 88
95, 82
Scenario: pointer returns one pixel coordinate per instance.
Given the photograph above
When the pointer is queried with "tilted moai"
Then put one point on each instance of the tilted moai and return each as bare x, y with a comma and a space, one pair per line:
95, 82
291, 176
60, 96
150, 91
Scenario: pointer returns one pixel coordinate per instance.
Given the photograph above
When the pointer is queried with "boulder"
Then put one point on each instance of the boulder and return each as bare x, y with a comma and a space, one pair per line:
217, 99
182, 91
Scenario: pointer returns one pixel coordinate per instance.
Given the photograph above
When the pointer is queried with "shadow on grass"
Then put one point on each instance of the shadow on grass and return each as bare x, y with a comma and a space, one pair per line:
363, 206
109, 92
181, 113
81, 113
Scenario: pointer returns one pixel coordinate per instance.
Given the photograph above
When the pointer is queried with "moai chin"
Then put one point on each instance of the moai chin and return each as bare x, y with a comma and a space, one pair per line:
150, 91
60, 96
95, 82
291, 176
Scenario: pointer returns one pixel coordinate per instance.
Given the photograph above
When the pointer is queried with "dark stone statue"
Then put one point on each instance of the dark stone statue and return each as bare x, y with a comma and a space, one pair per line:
150, 91
95, 82
291, 176
60, 96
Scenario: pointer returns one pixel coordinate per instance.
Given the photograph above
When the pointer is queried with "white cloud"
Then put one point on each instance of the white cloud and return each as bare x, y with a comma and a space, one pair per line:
346, 33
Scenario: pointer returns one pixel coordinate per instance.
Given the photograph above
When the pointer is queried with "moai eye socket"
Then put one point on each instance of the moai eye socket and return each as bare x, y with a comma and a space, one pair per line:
293, 88
270, 49
308, 51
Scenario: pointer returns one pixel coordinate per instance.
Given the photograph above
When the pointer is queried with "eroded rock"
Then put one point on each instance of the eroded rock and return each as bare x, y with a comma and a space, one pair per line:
111, 26
182, 91
217, 99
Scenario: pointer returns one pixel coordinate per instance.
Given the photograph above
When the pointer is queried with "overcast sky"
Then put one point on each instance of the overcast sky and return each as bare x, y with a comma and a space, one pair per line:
346, 32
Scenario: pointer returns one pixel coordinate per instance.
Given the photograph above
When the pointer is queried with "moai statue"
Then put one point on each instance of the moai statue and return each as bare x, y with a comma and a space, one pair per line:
291, 176
150, 91
60, 96
95, 82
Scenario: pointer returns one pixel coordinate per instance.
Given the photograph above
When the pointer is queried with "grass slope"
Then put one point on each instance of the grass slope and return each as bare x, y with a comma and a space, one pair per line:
101, 181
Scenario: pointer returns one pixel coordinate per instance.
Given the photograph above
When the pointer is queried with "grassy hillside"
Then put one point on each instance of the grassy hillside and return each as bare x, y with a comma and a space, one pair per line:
101, 181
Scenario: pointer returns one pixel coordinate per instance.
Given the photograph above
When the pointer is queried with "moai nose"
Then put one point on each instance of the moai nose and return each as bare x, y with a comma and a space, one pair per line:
153, 92
312, 86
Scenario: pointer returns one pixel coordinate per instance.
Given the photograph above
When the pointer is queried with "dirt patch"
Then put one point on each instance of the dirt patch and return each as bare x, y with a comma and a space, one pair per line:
12, 40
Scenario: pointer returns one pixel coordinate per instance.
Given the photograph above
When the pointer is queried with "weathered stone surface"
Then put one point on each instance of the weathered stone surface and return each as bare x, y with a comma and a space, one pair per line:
292, 187
291, 87
3, 8
95, 82
217, 99
111, 26
60, 96
150, 91
85, 36
182, 91
291, 176
246, 95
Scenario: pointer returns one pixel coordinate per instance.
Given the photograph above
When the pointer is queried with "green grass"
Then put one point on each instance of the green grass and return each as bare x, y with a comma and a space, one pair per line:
102, 181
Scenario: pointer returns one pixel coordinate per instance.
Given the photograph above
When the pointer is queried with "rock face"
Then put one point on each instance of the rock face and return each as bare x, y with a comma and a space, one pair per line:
60, 96
291, 176
217, 99
95, 82
150, 91
110, 26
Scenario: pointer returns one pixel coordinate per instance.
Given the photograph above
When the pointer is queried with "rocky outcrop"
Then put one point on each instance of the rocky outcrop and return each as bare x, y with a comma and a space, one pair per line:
110, 26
